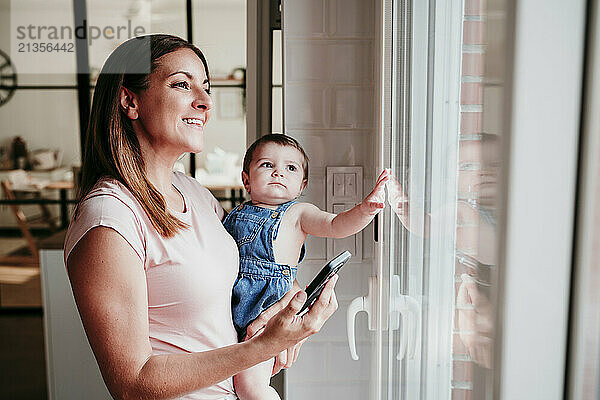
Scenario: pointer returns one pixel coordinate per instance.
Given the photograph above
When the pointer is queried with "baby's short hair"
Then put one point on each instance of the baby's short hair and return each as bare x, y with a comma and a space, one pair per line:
280, 139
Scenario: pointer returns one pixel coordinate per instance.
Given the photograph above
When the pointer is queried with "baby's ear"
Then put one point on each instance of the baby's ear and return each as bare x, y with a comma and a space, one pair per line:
246, 181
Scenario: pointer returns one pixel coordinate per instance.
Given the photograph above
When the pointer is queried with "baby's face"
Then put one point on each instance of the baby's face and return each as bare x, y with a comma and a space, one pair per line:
275, 174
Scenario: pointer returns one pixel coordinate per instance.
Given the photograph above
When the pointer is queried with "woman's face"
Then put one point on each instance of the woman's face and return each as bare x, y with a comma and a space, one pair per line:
174, 109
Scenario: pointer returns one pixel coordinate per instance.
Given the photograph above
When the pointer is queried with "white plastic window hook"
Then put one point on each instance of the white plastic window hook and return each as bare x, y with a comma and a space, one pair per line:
366, 304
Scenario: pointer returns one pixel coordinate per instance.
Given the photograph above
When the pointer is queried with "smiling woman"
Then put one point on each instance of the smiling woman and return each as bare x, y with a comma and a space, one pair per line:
147, 103
150, 263
172, 112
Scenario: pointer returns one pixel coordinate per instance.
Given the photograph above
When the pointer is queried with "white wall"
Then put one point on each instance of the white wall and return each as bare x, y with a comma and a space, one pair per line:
544, 127
329, 98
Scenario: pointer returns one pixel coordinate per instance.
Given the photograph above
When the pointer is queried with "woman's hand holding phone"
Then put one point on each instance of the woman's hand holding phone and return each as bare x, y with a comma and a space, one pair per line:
280, 328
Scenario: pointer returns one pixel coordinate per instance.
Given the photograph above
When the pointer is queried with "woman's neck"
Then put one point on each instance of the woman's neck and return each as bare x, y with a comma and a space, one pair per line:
159, 171
158, 167
162, 179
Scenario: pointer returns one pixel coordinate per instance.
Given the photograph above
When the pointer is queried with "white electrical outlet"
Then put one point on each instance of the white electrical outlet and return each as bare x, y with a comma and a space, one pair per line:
344, 191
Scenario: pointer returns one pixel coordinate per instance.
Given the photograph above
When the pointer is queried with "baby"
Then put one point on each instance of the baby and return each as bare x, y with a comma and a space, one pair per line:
270, 231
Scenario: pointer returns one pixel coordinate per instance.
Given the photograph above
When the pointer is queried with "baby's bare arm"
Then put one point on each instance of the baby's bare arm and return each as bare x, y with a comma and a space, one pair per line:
314, 221
320, 223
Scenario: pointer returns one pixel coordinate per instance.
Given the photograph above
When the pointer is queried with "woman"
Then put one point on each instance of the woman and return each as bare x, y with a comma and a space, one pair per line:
150, 264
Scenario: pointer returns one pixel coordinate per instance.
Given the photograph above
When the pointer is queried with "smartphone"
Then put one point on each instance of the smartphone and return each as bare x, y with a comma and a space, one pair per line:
314, 289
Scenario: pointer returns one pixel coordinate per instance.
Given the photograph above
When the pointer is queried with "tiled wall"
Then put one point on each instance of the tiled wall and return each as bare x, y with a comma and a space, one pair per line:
469, 170
329, 97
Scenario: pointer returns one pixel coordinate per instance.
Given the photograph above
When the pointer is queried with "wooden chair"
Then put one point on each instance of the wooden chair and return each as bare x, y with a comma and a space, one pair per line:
30, 253
24, 296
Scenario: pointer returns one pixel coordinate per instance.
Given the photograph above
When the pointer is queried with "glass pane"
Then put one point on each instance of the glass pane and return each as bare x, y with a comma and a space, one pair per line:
226, 129
110, 23
277, 114
483, 77
53, 125
277, 88
225, 51
277, 60
128, 19
27, 24
38, 38
443, 207
168, 16
46, 79
444, 150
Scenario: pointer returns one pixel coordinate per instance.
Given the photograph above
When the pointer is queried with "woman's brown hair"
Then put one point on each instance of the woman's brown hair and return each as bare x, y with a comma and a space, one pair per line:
112, 149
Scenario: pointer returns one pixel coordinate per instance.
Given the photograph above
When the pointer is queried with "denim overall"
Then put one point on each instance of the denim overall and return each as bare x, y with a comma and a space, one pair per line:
261, 282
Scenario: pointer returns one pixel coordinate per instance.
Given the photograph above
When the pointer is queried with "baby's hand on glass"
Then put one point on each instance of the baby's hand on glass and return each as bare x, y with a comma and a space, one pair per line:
375, 201
396, 198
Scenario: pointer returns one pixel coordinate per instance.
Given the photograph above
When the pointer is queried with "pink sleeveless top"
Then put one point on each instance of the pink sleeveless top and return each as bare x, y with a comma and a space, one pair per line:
189, 277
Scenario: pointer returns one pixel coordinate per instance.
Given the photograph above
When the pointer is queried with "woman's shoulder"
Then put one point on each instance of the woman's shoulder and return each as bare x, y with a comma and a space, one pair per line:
110, 204
109, 192
107, 186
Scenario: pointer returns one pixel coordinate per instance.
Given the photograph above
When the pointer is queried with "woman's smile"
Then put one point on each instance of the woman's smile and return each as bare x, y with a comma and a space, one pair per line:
194, 122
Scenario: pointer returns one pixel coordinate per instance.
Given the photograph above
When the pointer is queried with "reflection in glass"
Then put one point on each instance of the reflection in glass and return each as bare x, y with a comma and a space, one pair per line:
483, 65
445, 152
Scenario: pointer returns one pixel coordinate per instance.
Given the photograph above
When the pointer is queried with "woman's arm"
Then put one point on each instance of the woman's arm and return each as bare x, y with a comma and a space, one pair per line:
314, 221
110, 291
